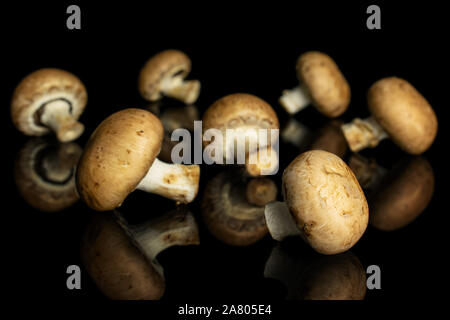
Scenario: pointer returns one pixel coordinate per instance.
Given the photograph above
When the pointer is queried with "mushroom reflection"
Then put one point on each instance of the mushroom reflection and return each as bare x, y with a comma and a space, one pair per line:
172, 118
337, 277
402, 195
328, 137
367, 171
121, 258
233, 207
44, 174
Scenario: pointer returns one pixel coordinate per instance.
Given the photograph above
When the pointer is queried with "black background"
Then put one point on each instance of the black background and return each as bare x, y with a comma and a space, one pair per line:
234, 48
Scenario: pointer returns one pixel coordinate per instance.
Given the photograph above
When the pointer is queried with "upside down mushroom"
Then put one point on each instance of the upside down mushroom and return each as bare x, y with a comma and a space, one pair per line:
44, 173
233, 210
337, 277
402, 195
121, 258
120, 157
49, 100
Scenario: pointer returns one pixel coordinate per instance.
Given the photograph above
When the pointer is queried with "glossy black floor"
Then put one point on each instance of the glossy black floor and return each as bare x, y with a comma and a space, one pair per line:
233, 49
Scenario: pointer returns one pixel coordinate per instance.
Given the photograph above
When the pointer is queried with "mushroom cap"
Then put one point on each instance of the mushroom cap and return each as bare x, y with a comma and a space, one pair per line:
162, 65
239, 111
227, 213
338, 277
326, 201
40, 87
37, 189
403, 194
326, 85
117, 266
117, 157
404, 114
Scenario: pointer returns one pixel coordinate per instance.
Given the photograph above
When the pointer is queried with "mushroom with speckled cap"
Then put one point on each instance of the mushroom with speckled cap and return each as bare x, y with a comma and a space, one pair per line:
233, 209
324, 204
120, 157
164, 74
44, 173
248, 125
322, 84
399, 112
49, 100
122, 258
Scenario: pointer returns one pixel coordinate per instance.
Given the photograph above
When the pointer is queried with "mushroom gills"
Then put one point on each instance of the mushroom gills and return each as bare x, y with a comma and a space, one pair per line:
363, 133
296, 99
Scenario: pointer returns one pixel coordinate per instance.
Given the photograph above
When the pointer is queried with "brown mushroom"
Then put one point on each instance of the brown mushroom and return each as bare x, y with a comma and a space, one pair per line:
44, 173
324, 204
321, 84
164, 74
120, 157
400, 112
121, 259
403, 194
49, 100
240, 119
232, 211
337, 277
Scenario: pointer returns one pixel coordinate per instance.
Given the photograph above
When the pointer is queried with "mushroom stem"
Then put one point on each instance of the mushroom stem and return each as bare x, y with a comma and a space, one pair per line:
174, 181
365, 133
295, 133
180, 89
295, 99
279, 221
57, 116
175, 228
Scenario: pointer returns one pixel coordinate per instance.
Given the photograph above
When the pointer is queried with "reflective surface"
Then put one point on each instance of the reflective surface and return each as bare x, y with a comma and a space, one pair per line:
261, 61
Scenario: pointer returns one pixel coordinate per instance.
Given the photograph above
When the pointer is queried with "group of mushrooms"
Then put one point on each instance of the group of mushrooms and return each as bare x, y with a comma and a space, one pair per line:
323, 199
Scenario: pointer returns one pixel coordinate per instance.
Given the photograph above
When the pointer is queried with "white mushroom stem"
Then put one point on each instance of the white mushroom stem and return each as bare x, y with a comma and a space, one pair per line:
295, 133
365, 133
175, 228
279, 221
180, 89
174, 181
56, 116
295, 99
